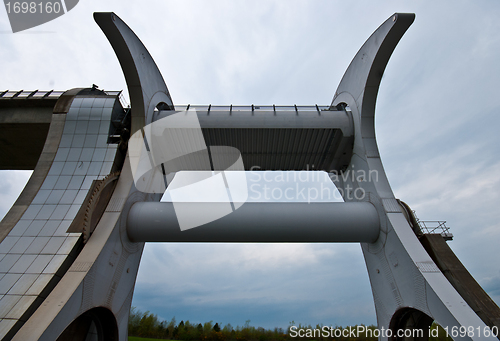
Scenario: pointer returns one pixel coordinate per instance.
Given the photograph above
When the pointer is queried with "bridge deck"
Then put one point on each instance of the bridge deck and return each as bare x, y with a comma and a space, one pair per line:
279, 137
24, 123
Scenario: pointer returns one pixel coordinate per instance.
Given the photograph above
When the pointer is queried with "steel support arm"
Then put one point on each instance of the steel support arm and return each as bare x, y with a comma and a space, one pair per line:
258, 222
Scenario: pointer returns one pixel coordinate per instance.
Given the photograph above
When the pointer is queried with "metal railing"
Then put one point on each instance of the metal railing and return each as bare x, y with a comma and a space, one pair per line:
435, 227
253, 108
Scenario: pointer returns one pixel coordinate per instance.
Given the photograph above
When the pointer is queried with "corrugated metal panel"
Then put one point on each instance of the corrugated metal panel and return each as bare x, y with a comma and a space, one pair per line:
277, 149
278, 137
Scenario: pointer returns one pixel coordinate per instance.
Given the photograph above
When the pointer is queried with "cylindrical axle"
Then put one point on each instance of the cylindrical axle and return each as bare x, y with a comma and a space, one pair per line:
258, 222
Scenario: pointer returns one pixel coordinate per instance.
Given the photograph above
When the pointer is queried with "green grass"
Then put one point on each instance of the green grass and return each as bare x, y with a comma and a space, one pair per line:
135, 338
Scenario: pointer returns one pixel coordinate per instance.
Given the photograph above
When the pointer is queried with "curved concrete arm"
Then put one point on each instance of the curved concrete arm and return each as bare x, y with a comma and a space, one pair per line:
362, 78
145, 83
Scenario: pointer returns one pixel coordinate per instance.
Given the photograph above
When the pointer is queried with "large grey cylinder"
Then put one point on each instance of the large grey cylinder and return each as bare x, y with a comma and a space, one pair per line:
258, 222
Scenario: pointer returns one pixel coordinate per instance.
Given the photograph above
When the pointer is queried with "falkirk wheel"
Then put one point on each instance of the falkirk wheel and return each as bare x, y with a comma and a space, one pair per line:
72, 242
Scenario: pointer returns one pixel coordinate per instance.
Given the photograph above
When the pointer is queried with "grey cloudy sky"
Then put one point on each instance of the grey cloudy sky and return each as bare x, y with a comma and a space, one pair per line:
437, 119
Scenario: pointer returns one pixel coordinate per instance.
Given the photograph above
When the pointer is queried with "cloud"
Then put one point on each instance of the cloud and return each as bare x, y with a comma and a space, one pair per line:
11, 185
436, 122
492, 286
270, 284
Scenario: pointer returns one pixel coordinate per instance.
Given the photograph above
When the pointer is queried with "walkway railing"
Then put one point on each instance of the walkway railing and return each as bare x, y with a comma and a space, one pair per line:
435, 227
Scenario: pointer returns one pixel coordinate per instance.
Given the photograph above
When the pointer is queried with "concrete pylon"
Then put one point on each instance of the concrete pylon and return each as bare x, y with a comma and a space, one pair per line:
90, 290
409, 289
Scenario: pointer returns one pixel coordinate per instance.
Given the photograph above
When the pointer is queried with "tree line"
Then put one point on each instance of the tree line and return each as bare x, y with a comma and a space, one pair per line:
146, 324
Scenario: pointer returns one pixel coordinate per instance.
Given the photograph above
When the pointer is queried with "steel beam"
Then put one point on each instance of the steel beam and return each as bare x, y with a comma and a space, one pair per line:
260, 222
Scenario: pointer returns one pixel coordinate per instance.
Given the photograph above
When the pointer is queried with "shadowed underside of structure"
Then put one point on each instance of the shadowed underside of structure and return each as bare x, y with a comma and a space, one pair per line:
461, 279
71, 244
25, 125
